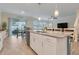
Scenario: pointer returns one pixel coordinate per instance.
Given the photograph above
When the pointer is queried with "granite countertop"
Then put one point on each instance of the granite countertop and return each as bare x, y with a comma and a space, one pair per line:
54, 34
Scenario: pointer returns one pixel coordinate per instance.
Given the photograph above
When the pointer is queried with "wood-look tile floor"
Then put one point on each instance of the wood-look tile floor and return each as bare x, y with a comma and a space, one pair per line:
14, 46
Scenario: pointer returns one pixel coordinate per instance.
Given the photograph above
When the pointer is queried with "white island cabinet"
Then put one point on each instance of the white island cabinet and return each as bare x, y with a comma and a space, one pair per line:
3, 35
44, 44
1, 41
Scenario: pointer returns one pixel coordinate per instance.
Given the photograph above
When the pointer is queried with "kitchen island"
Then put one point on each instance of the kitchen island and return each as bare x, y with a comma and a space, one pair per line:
51, 43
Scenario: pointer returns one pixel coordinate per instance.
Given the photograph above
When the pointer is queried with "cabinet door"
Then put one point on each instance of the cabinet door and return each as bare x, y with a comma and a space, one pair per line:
36, 43
32, 41
40, 44
49, 46
62, 46
1, 42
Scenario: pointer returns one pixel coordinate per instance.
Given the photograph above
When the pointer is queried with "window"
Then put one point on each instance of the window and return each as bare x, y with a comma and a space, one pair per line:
39, 25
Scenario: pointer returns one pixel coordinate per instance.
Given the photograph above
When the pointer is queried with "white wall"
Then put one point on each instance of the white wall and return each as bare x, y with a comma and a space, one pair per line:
69, 19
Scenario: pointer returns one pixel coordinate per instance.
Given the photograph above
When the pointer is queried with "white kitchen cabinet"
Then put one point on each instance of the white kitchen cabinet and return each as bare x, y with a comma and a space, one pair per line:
40, 44
3, 35
32, 41
61, 46
47, 45
36, 43
1, 42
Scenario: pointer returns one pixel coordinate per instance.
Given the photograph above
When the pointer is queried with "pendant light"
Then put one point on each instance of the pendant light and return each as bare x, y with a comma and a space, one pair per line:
56, 12
39, 18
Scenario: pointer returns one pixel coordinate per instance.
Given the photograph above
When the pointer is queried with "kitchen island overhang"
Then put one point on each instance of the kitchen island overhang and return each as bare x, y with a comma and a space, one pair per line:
55, 43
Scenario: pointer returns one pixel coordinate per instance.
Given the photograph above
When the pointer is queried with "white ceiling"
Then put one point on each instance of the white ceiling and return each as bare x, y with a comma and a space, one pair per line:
44, 10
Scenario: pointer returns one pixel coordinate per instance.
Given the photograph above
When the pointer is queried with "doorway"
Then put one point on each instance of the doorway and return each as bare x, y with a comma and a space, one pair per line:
16, 27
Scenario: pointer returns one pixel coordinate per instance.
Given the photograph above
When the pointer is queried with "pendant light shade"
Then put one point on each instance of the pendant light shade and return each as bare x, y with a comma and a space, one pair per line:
39, 4
56, 13
39, 18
